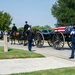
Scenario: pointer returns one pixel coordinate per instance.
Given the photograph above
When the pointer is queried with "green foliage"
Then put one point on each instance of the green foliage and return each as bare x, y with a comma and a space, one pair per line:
10, 28
38, 27
5, 20
64, 12
20, 28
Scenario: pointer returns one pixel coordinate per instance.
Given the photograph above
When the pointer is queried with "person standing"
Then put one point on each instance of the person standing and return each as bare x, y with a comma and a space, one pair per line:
73, 42
30, 38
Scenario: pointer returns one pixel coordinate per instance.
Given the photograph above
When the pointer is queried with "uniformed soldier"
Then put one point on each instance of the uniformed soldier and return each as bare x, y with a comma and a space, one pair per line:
73, 42
14, 29
25, 27
30, 38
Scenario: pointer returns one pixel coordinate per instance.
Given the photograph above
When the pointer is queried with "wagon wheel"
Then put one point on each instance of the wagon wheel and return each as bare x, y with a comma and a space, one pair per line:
39, 41
58, 40
69, 44
50, 41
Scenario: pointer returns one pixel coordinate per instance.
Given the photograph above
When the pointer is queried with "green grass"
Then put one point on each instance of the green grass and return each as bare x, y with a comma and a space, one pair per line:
17, 53
61, 71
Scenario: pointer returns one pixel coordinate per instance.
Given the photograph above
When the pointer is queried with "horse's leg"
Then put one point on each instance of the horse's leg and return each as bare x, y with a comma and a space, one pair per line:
11, 40
21, 41
18, 41
14, 40
25, 42
21, 38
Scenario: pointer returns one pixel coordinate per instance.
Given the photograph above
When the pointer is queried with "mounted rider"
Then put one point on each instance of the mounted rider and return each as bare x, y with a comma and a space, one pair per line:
14, 29
26, 26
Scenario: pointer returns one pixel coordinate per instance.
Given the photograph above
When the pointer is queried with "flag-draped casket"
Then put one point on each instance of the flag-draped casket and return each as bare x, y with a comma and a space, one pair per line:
63, 29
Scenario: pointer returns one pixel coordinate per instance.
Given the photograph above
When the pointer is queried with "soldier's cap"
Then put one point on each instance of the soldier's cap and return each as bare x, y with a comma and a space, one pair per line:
13, 23
25, 21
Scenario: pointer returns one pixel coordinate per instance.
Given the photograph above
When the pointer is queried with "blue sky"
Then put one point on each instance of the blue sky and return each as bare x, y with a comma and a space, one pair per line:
36, 12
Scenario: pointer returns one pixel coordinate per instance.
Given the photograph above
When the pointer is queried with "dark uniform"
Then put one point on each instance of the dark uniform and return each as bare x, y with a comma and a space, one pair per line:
73, 42
25, 27
14, 29
30, 38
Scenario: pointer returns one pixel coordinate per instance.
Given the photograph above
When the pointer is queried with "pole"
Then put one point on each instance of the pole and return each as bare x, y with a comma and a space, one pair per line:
5, 43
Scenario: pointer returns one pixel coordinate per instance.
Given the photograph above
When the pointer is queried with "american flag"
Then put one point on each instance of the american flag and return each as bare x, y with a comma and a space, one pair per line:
60, 29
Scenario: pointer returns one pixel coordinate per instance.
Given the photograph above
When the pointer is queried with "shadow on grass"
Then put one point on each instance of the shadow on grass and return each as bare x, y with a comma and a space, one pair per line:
10, 49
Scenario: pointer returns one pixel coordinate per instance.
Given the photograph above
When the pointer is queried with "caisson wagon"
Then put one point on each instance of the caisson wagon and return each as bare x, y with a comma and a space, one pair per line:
56, 38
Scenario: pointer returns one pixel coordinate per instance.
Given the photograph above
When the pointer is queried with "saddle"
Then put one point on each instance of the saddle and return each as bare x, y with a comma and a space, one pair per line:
15, 33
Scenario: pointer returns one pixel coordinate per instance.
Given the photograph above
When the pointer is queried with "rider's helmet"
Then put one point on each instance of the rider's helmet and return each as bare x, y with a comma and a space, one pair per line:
25, 21
14, 24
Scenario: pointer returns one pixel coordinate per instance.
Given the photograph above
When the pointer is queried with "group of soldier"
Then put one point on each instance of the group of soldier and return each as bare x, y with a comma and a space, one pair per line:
14, 28
28, 30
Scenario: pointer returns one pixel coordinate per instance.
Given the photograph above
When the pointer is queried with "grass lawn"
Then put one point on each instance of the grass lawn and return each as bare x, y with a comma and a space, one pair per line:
17, 53
61, 71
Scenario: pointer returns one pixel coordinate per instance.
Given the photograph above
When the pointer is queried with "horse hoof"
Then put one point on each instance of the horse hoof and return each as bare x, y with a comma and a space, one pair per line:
25, 44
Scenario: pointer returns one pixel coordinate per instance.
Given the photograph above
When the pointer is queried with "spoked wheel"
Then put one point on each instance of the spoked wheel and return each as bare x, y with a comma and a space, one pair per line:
39, 41
50, 41
69, 44
58, 40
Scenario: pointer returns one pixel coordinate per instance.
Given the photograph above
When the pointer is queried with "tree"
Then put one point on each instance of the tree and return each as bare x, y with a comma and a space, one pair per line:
5, 20
64, 12
38, 27
20, 28
47, 27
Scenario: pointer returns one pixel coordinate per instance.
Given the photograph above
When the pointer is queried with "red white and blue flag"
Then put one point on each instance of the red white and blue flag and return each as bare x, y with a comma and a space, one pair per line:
60, 29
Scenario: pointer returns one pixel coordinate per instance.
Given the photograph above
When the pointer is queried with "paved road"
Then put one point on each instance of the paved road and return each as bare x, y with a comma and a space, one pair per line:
46, 50
54, 59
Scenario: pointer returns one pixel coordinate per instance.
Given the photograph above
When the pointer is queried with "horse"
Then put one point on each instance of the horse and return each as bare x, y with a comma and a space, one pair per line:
16, 35
24, 38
